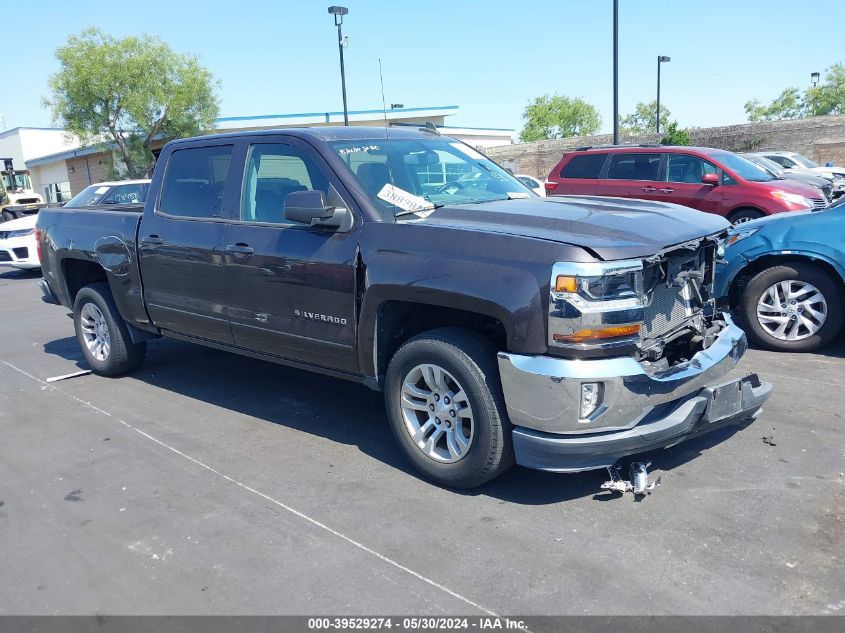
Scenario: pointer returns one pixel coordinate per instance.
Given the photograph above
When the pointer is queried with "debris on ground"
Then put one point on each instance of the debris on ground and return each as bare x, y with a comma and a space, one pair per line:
83, 372
769, 439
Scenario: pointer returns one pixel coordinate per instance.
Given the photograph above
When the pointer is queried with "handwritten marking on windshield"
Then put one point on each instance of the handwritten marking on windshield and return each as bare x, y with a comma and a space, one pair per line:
358, 148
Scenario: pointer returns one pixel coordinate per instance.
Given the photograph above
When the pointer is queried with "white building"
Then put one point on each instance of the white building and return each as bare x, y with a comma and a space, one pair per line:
23, 144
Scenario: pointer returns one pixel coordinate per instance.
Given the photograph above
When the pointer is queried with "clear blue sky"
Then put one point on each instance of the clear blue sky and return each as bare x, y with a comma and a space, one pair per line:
490, 58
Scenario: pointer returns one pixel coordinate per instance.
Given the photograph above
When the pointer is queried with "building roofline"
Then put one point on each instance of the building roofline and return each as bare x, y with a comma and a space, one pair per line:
26, 127
67, 154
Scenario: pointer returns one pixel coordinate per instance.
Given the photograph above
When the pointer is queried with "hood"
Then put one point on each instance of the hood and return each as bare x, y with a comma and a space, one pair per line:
610, 228
26, 222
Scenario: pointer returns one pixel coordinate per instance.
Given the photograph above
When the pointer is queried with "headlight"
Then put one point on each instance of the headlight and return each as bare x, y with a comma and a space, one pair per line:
597, 303
793, 198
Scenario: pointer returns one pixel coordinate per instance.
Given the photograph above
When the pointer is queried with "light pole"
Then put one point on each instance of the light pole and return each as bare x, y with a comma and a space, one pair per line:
338, 13
616, 72
660, 60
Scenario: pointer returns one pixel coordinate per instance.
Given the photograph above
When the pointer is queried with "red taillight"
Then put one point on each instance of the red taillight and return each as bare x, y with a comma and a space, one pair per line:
550, 186
38, 243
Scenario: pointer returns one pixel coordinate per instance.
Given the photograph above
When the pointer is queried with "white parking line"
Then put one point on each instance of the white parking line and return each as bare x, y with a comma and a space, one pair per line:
266, 497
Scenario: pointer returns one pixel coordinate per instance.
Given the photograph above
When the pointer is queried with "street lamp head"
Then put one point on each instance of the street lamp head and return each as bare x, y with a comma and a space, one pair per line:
396, 106
338, 13
663, 58
814, 77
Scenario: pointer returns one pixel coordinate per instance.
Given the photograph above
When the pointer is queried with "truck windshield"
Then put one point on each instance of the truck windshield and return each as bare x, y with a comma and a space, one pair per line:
130, 193
400, 175
18, 180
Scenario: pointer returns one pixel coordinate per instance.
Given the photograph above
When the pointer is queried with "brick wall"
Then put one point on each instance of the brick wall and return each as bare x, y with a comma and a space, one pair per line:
86, 170
819, 138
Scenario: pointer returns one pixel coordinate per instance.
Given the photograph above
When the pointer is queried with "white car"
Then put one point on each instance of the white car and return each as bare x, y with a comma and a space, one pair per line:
801, 164
17, 243
535, 184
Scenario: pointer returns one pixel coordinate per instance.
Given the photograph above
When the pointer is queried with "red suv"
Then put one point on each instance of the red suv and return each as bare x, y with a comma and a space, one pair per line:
706, 179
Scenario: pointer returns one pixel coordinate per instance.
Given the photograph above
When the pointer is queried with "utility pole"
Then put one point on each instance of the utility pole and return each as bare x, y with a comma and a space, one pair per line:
338, 13
616, 72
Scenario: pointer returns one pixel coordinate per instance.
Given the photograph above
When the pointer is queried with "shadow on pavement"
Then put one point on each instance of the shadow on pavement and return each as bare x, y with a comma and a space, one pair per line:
348, 413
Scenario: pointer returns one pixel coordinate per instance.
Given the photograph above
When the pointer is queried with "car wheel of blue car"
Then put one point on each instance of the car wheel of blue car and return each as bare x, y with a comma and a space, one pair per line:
792, 307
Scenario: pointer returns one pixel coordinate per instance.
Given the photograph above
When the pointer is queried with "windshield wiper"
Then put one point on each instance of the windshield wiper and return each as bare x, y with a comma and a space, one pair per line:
409, 212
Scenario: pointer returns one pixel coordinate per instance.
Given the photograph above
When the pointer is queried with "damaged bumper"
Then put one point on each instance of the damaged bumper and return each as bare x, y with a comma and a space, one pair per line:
637, 409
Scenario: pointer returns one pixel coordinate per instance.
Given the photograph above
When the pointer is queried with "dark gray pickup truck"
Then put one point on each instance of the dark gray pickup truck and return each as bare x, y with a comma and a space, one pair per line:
560, 333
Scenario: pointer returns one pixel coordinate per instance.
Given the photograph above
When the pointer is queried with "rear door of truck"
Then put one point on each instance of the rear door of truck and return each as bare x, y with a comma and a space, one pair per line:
180, 242
290, 286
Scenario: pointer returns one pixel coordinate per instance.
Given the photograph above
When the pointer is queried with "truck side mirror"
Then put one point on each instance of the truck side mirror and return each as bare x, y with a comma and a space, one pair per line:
710, 179
309, 207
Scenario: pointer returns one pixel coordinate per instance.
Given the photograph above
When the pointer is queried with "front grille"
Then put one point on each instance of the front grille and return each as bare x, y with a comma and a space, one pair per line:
21, 253
818, 203
827, 190
5, 257
26, 201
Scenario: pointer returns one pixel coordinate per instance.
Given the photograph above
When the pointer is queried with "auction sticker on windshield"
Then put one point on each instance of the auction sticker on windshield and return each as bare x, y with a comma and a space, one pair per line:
403, 199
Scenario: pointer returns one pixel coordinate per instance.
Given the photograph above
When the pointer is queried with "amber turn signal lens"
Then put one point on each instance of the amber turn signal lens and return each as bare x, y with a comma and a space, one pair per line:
598, 334
565, 283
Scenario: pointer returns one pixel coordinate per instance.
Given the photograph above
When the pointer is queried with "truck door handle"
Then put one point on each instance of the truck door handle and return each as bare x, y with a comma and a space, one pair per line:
152, 240
649, 189
667, 190
240, 249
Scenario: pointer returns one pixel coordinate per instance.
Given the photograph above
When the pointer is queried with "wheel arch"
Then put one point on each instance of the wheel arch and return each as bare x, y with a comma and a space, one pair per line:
768, 260
395, 320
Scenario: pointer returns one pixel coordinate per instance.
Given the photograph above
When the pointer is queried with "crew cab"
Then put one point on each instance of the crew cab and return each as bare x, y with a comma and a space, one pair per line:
563, 334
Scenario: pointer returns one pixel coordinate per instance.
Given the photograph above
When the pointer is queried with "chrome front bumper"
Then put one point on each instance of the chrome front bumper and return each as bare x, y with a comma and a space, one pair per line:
640, 409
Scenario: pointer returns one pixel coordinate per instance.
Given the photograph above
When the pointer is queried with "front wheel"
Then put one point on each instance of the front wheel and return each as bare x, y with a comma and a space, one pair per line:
741, 216
793, 307
446, 409
102, 333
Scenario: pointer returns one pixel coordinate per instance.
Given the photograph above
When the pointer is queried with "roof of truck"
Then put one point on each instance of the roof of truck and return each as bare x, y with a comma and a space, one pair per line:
328, 133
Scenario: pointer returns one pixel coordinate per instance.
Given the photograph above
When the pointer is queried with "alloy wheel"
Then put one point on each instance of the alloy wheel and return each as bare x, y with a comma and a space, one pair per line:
95, 331
792, 310
437, 413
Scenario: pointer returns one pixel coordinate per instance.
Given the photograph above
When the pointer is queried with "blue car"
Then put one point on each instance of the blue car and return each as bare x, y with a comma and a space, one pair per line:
784, 277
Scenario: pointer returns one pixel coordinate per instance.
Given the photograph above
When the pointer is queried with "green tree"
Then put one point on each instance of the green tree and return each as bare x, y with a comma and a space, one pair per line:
130, 91
642, 120
788, 105
674, 136
829, 96
559, 116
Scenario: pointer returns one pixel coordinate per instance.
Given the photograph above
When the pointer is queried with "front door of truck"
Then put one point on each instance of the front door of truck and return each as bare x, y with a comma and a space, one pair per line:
181, 240
290, 287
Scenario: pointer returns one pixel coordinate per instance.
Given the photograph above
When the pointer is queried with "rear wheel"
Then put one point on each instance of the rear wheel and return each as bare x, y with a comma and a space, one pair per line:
102, 333
741, 216
446, 409
794, 307
7, 216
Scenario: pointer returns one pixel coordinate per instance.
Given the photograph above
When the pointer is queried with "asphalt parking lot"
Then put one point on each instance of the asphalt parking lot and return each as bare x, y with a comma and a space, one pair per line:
212, 483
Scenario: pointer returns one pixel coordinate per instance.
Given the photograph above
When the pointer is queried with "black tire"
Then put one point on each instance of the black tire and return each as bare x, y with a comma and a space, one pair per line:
123, 355
745, 215
7, 216
806, 273
471, 360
